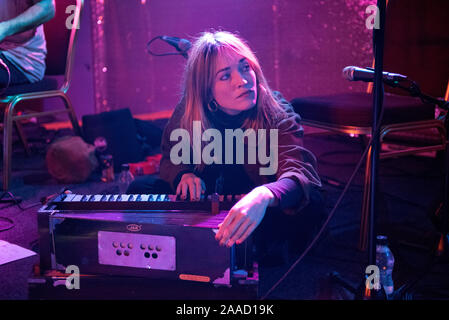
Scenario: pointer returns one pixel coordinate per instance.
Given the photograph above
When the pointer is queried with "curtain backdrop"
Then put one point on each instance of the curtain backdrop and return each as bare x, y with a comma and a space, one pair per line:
302, 45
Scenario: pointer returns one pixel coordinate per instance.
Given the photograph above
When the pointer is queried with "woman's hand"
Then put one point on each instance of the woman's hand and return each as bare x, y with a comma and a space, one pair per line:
192, 184
244, 216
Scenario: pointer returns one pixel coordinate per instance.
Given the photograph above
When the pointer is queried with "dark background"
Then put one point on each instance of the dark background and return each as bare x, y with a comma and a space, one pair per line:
302, 47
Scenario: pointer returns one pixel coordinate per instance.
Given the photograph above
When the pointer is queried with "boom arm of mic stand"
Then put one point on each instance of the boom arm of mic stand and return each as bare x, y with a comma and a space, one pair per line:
415, 91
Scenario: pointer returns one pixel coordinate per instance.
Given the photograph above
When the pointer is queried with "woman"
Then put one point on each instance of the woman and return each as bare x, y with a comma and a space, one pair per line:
225, 90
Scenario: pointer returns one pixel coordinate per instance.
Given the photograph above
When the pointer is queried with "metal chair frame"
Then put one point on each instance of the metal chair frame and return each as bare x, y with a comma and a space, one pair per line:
384, 131
12, 101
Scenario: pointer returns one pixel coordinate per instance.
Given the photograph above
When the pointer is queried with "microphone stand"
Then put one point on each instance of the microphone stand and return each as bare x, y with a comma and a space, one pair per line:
441, 217
364, 292
378, 96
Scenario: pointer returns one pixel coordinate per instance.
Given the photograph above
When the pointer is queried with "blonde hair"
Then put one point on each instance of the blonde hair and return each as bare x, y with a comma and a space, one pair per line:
199, 80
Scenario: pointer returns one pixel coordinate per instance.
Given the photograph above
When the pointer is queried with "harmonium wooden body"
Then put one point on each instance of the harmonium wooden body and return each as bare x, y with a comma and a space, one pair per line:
151, 238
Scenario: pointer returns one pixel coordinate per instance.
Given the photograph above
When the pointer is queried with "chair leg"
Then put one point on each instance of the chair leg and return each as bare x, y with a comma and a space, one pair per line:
364, 220
72, 115
22, 137
7, 144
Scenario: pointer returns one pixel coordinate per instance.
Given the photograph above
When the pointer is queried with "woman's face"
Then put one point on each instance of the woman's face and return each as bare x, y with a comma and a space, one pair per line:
235, 85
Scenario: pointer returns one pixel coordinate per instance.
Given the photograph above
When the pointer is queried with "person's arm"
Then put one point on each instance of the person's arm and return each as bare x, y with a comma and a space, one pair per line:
41, 12
296, 177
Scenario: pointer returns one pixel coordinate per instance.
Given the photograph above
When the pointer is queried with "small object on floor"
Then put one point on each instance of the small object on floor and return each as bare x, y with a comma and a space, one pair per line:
71, 160
149, 166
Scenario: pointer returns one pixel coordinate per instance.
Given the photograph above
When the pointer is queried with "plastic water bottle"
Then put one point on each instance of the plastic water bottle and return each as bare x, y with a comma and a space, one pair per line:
125, 178
106, 160
385, 262
107, 168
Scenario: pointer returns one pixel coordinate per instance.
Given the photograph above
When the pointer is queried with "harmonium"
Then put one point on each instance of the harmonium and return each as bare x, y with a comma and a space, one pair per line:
155, 241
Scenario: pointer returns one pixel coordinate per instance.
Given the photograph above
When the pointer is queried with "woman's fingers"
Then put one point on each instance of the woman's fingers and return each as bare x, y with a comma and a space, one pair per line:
192, 189
247, 232
198, 189
191, 184
233, 226
178, 188
243, 218
184, 188
240, 231
223, 231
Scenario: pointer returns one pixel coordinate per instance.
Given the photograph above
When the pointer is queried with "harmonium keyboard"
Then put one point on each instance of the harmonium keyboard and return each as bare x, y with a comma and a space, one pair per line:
149, 236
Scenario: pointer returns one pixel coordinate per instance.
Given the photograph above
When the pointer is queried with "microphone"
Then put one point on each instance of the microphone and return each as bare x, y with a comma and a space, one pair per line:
352, 73
181, 45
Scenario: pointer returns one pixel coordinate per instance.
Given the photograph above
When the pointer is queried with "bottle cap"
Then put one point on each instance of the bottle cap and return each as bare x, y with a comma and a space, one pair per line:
382, 240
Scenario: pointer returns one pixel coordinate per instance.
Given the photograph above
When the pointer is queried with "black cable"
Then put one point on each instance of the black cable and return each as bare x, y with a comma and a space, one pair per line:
12, 199
344, 164
160, 54
11, 224
339, 185
331, 214
15, 201
30, 206
336, 183
330, 163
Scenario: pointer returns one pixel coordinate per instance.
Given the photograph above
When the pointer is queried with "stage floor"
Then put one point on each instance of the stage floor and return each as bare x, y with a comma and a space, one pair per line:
409, 188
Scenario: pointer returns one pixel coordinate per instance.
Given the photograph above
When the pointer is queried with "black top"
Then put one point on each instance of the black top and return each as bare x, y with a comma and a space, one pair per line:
295, 176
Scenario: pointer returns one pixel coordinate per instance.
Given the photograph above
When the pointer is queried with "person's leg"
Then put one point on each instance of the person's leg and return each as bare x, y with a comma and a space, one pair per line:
149, 185
15, 76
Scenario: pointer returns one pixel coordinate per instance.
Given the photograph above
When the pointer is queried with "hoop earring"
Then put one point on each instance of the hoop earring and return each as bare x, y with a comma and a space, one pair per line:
213, 106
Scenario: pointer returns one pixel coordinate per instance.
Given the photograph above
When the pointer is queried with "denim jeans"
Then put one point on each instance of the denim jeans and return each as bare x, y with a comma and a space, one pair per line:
17, 76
